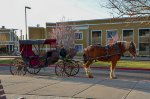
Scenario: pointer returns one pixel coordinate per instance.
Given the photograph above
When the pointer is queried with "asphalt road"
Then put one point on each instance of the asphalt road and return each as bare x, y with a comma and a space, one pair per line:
97, 72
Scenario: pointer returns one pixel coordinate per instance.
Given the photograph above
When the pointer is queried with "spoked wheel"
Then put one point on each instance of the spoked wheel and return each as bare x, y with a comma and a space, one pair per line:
18, 67
71, 68
32, 70
34, 66
60, 70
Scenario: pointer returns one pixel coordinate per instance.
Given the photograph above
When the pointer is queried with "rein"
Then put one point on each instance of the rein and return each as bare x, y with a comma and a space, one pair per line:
117, 52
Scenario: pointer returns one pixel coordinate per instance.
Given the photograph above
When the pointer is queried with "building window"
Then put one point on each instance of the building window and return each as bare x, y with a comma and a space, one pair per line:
112, 36
79, 47
128, 35
144, 42
79, 36
96, 37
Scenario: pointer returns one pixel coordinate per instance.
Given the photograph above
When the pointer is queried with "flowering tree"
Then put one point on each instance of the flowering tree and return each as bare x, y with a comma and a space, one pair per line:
64, 34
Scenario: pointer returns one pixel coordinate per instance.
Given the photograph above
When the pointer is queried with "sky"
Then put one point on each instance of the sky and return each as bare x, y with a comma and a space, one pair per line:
42, 11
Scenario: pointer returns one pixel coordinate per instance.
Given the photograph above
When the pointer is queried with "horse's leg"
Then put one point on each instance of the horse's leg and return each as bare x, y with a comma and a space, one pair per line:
87, 69
112, 70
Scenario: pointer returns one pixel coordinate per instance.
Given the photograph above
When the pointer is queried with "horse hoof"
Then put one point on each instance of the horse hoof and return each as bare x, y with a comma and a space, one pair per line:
90, 76
113, 77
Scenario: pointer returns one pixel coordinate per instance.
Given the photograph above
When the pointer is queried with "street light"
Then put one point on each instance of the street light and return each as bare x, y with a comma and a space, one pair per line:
26, 19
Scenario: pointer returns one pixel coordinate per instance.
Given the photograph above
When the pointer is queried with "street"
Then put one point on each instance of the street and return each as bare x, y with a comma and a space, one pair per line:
46, 85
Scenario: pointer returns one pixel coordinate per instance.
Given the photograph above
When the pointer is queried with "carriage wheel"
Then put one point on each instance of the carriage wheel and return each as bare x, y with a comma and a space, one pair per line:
34, 66
18, 67
60, 70
33, 70
71, 68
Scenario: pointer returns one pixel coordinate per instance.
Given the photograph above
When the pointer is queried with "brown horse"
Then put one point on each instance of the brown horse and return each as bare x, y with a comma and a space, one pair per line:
111, 53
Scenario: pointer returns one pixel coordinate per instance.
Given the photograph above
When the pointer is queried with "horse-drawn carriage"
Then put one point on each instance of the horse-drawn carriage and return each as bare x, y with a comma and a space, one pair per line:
37, 54
34, 57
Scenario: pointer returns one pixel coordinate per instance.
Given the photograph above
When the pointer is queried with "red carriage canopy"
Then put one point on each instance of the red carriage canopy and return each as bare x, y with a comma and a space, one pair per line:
26, 45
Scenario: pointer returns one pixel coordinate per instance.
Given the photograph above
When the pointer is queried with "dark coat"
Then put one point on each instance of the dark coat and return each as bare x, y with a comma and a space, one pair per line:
63, 52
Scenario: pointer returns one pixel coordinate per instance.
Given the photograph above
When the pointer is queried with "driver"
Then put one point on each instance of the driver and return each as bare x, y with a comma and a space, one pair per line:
62, 52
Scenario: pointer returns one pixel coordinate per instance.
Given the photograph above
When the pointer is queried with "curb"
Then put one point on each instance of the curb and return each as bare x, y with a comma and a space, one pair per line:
4, 64
119, 68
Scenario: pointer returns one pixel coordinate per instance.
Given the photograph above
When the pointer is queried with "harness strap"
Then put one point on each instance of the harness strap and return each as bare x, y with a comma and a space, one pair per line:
117, 48
107, 47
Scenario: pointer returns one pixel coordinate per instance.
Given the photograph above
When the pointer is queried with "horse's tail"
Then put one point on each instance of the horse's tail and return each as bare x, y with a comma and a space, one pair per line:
85, 57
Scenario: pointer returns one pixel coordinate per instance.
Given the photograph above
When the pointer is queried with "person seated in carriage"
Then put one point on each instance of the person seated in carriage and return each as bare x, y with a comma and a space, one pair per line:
62, 52
67, 53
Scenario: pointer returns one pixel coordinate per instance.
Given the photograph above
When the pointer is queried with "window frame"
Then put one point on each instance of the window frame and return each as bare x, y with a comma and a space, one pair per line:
78, 33
79, 45
100, 36
139, 38
127, 29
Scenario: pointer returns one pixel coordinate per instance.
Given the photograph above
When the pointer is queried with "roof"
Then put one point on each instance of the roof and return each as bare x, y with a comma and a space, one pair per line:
40, 41
105, 20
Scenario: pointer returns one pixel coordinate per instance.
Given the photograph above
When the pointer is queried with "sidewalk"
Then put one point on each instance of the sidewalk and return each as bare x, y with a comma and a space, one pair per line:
69, 88
101, 87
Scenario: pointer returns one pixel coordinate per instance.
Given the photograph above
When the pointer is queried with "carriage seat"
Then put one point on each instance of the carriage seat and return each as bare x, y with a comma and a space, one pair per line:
51, 57
49, 54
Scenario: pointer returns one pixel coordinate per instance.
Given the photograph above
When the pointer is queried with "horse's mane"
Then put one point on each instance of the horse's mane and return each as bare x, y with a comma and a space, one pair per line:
126, 44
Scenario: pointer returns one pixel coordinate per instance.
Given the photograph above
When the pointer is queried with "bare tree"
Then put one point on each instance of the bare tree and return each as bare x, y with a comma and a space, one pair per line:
131, 8
64, 33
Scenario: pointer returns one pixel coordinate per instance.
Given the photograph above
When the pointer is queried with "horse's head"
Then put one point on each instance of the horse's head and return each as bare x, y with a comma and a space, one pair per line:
132, 48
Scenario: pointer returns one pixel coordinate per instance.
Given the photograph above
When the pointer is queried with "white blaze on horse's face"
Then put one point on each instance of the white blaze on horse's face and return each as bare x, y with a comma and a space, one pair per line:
127, 45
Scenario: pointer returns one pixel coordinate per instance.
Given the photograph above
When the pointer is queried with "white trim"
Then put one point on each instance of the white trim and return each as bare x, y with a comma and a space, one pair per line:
78, 32
87, 36
143, 28
139, 38
5, 32
106, 23
6, 44
100, 37
79, 44
81, 28
99, 19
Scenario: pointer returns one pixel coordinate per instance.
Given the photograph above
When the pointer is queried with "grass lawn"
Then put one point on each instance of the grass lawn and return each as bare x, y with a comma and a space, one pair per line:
126, 64
121, 64
5, 61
